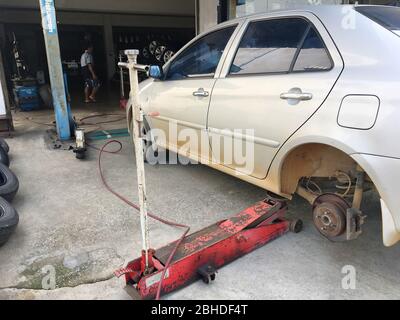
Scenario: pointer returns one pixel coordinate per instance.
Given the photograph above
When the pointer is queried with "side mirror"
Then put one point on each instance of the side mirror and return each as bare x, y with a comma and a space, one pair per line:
156, 72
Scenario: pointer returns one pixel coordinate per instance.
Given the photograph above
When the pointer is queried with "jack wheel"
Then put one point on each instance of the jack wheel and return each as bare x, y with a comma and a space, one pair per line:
296, 226
80, 153
80, 156
207, 273
208, 279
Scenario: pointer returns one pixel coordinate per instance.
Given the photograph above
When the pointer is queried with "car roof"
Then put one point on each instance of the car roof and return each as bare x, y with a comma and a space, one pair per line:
304, 8
316, 9
323, 9
363, 39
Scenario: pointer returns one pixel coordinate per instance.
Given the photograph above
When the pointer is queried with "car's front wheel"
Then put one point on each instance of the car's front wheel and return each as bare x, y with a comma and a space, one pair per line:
150, 149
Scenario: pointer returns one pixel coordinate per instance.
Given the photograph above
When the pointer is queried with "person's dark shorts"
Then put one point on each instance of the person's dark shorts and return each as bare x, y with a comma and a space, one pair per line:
89, 82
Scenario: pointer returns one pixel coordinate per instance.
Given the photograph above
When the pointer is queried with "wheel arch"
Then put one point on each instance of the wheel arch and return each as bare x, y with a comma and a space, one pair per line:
348, 159
311, 159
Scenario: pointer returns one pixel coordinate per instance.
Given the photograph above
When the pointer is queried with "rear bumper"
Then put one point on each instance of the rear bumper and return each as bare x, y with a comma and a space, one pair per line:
385, 174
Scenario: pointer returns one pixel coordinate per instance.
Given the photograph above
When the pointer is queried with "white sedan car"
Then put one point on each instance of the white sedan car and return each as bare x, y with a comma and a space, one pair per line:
310, 94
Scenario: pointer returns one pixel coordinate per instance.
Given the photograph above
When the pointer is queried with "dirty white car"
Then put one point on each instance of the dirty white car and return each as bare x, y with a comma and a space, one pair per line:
319, 88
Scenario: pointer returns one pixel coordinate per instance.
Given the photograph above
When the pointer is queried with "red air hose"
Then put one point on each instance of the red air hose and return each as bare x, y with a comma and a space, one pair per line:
135, 206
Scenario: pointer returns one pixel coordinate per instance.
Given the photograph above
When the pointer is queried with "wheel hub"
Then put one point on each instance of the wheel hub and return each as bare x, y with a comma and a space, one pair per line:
329, 215
329, 220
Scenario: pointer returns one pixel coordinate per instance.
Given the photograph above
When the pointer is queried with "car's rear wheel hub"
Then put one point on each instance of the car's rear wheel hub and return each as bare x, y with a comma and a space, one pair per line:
329, 215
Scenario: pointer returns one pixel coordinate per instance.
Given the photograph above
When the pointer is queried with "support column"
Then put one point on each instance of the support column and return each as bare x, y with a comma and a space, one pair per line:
207, 14
49, 24
109, 46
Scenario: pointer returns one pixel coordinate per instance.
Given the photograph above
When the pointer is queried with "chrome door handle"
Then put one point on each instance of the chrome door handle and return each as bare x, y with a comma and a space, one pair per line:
201, 93
300, 96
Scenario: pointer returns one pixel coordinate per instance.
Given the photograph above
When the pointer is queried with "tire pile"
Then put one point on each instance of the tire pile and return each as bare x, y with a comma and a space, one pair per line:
158, 51
8, 189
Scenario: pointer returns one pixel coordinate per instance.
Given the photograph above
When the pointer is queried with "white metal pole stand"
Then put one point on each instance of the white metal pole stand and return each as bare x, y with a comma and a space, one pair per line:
137, 119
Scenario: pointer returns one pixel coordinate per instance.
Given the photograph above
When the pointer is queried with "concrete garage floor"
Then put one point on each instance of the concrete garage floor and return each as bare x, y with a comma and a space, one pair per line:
68, 221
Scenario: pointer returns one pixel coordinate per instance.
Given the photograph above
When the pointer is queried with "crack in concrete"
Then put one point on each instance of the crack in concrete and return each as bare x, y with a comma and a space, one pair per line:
65, 271
100, 280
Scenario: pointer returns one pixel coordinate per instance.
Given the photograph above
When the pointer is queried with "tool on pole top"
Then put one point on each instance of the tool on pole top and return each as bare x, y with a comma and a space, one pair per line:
132, 52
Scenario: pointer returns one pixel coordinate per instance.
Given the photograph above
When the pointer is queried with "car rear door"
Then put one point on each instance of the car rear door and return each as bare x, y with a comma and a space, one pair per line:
279, 73
183, 97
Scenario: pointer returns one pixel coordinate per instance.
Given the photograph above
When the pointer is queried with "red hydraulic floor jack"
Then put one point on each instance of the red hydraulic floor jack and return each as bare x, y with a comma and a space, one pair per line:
200, 254
203, 252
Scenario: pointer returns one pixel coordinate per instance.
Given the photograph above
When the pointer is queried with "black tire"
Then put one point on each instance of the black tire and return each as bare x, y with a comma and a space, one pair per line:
8, 183
4, 159
8, 220
296, 226
4, 145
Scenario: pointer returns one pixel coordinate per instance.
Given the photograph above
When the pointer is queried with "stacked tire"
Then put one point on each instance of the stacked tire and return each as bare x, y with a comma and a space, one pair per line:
159, 51
8, 189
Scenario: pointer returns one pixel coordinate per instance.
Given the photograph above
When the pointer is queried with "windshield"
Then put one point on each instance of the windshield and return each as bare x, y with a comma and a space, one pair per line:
389, 17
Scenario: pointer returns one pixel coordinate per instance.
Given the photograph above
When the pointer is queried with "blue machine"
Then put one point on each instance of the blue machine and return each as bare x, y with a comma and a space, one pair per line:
27, 97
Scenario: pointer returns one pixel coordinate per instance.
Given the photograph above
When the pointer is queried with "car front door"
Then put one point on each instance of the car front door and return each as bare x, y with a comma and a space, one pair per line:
182, 98
278, 74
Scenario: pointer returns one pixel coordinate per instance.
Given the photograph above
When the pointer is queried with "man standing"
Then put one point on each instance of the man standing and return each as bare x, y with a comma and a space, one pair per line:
89, 75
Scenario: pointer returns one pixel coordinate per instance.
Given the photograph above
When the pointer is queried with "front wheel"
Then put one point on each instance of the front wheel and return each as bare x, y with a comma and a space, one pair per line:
150, 150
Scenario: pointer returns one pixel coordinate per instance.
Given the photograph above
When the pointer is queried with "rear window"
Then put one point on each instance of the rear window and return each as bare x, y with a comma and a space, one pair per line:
389, 17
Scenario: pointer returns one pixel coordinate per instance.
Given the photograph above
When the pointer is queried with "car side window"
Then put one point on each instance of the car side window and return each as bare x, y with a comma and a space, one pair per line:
313, 55
202, 57
269, 46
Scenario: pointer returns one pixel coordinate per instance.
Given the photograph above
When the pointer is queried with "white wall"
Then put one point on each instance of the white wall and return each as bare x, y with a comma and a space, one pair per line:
175, 7
256, 6
207, 15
